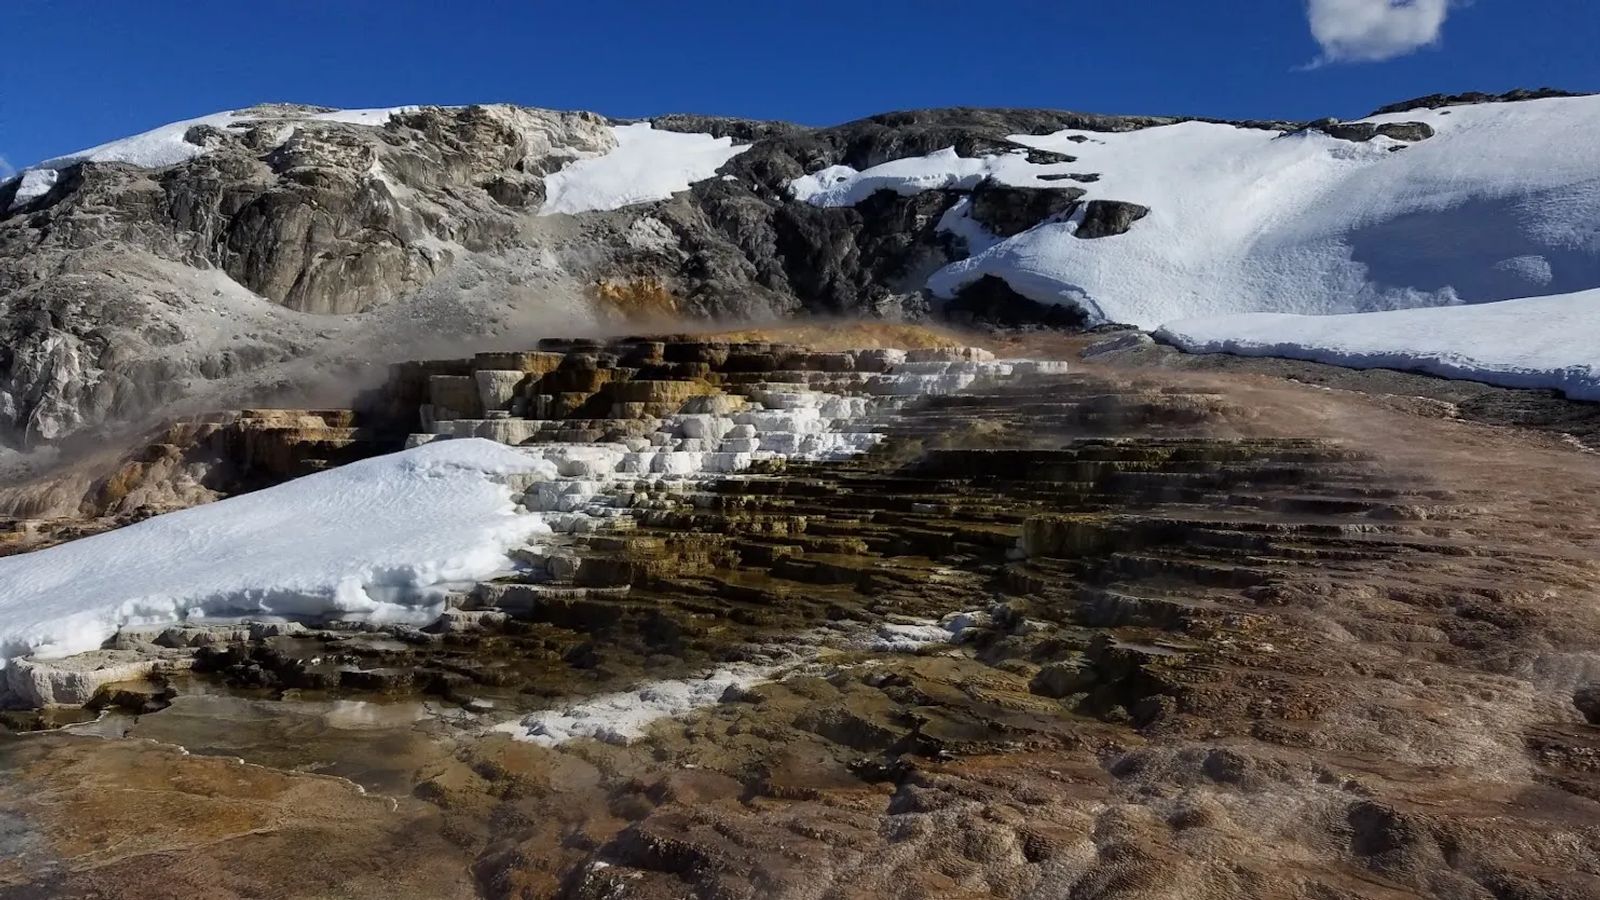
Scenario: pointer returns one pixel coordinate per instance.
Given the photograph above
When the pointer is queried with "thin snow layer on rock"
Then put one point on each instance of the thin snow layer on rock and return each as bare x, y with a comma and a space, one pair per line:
374, 540
625, 716
958, 221
940, 170
377, 116
909, 637
35, 183
167, 145
1538, 342
1500, 203
647, 165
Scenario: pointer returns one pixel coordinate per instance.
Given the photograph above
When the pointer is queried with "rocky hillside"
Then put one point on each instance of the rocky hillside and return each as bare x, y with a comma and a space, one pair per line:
279, 248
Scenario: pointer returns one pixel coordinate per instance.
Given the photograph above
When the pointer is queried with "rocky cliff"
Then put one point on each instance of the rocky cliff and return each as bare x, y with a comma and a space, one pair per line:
248, 255
296, 238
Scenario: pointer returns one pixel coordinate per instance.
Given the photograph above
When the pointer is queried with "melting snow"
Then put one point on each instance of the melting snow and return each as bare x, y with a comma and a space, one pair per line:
625, 716
35, 184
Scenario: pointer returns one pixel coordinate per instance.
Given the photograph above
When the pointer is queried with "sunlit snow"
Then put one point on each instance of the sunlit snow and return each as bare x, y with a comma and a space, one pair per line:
646, 165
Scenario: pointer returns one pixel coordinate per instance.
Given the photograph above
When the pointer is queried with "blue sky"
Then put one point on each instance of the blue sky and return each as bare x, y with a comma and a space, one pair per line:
73, 74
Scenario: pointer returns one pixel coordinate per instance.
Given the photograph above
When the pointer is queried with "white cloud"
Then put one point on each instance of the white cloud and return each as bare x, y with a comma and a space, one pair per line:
6, 171
1374, 30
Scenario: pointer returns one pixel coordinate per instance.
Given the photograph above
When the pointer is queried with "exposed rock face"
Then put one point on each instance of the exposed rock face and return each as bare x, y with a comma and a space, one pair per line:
992, 300
1008, 211
1361, 132
122, 287
1105, 218
298, 243
1438, 101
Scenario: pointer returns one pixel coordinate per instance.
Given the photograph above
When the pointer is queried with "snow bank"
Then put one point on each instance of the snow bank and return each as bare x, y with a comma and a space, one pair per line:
647, 165
1498, 205
1539, 342
942, 170
373, 540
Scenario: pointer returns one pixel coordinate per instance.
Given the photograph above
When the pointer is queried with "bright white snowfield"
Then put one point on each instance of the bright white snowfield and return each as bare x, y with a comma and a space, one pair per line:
374, 540
1537, 342
1500, 203
647, 165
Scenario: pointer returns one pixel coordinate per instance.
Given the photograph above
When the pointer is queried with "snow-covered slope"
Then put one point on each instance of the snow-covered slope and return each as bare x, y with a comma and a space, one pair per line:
1503, 201
1538, 342
374, 539
167, 145
646, 165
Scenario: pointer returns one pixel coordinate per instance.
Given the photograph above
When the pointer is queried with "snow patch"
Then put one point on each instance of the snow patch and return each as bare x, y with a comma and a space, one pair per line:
626, 715
958, 221
1538, 342
375, 540
940, 170
909, 637
647, 165
376, 117
35, 183
153, 149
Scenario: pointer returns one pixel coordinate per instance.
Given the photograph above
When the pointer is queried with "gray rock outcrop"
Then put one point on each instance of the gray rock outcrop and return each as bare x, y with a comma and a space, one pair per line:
300, 248
1106, 218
